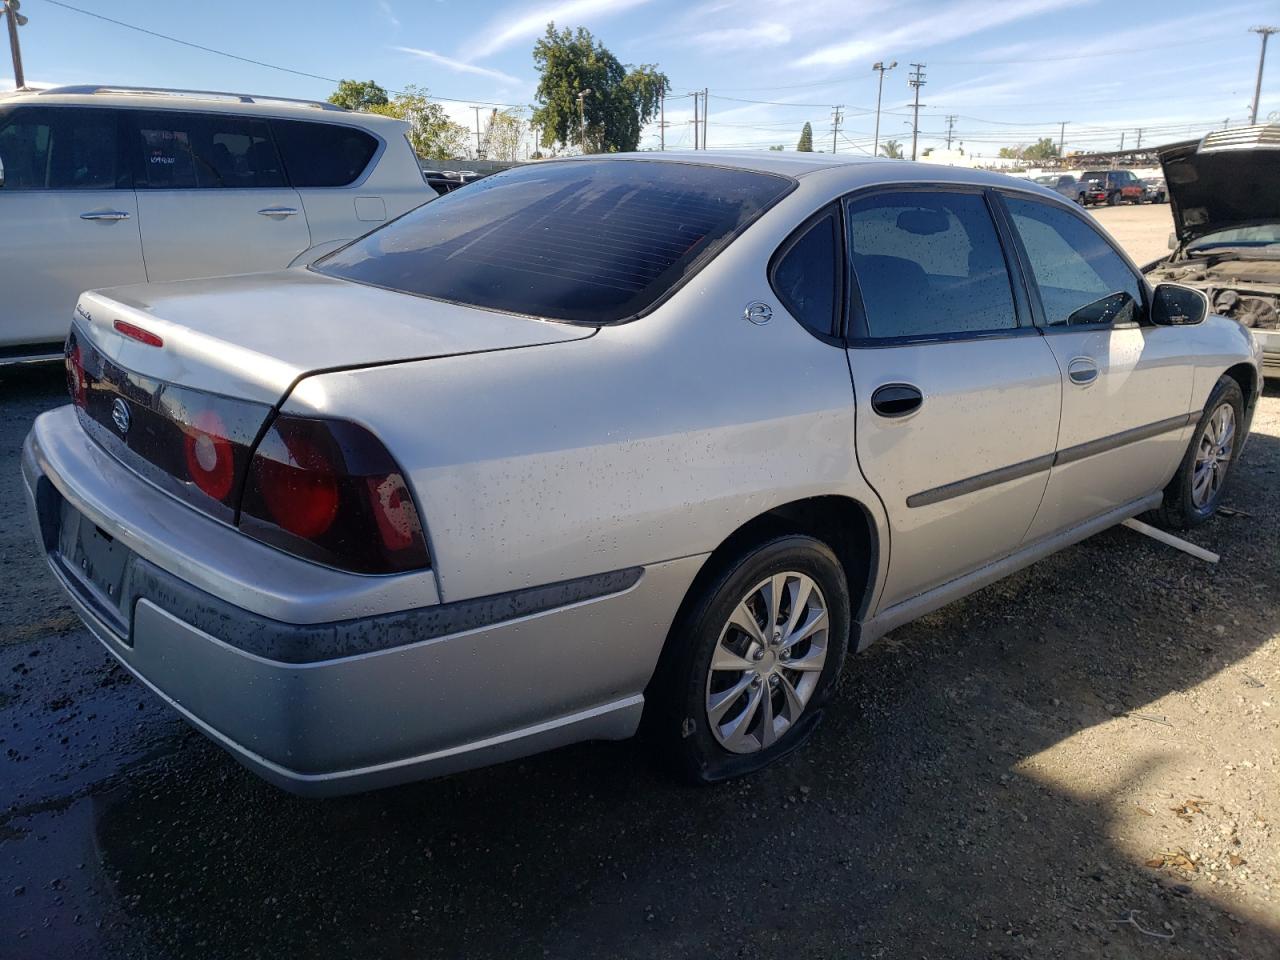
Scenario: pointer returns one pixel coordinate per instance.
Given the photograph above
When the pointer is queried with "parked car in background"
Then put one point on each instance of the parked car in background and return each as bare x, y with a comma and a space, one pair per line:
446, 181
597, 518
1111, 186
1155, 190
1224, 191
1062, 183
109, 185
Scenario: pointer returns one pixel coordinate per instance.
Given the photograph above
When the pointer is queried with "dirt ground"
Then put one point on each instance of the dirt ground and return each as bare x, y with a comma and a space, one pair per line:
1082, 761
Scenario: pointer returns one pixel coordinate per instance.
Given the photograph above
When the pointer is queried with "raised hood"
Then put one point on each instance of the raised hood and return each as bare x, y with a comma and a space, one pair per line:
253, 336
1229, 179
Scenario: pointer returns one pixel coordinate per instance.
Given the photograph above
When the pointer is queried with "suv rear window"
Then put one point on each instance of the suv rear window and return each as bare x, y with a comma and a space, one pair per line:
583, 241
323, 154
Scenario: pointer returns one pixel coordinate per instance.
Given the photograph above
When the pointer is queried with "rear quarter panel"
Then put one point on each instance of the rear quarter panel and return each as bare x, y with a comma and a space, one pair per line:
649, 441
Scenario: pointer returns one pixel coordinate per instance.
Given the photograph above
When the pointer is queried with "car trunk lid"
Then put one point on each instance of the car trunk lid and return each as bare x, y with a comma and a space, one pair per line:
252, 337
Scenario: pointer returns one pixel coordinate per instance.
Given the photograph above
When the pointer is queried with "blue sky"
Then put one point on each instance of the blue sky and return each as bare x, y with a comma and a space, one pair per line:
1008, 70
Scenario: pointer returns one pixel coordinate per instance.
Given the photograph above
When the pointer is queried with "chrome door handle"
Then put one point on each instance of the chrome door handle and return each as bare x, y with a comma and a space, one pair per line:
1082, 371
105, 215
278, 211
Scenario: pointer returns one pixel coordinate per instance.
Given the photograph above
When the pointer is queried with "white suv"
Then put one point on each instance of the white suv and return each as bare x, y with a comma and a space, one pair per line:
107, 185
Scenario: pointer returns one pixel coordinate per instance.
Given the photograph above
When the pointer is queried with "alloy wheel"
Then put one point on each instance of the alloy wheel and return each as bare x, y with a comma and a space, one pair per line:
767, 662
1213, 456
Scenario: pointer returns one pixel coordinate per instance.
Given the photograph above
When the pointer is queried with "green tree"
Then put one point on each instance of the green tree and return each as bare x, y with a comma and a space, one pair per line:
1011, 153
622, 98
503, 135
431, 132
891, 149
1043, 149
806, 139
358, 95
776, 146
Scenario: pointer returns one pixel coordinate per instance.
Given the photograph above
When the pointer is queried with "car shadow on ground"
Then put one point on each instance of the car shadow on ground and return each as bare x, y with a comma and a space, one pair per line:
917, 823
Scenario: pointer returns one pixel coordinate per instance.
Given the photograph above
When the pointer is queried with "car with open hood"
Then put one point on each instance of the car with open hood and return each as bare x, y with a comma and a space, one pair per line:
1224, 192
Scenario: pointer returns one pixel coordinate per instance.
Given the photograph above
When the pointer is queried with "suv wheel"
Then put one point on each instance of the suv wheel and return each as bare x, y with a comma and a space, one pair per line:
759, 651
1195, 491
1082, 200
1114, 199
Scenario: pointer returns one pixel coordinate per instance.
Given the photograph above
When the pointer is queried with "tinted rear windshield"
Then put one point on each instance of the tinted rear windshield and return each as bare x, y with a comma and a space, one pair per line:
587, 241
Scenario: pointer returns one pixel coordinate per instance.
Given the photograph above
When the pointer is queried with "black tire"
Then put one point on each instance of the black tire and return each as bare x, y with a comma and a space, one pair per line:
1179, 510
1114, 199
1082, 201
676, 721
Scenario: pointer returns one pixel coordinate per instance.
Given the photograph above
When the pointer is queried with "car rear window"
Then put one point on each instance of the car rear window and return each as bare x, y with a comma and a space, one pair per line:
586, 241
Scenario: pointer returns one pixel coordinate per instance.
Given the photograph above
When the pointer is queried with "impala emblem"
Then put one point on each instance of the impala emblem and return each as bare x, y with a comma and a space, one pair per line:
758, 313
120, 415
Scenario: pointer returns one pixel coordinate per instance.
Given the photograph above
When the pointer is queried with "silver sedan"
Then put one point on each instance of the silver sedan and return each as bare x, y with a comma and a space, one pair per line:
594, 443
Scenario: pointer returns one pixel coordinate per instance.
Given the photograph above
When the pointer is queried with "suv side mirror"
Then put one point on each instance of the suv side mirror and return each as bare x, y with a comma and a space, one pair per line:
1173, 305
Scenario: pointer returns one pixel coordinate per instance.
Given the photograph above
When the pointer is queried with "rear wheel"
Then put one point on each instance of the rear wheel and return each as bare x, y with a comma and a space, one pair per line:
1082, 201
1194, 493
1114, 199
759, 650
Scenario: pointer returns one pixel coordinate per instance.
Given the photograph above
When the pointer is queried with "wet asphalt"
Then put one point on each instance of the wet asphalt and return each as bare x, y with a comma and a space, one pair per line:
898, 832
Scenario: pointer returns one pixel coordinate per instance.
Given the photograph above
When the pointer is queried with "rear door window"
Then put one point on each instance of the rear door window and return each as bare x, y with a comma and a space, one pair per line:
928, 264
584, 241
1080, 277
323, 154
61, 148
182, 151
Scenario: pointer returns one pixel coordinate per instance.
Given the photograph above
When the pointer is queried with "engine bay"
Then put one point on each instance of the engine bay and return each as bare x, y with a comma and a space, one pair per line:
1245, 289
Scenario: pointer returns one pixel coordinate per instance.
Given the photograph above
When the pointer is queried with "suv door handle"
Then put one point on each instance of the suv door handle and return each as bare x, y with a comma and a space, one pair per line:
278, 211
1082, 371
896, 400
105, 215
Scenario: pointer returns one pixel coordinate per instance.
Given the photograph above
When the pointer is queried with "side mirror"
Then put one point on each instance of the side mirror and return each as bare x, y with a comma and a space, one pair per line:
1177, 306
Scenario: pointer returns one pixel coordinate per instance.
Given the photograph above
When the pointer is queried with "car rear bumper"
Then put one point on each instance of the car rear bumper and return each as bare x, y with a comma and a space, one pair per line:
333, 706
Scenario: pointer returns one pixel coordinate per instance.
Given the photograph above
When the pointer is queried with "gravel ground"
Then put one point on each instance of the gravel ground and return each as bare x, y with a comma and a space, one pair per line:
1081, 761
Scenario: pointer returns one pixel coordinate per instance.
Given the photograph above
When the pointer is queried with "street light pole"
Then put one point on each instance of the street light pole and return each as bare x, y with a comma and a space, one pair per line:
880, 68
1264, 32
582, 118
16, 20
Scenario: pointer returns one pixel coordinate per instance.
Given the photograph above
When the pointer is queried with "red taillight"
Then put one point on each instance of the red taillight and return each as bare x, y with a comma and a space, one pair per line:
210, 460
301, 489
77, 382
328, 491
137, 333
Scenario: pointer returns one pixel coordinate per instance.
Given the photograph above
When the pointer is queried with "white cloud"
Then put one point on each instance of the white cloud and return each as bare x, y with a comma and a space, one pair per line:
941, 25
744, 38
513, 26
389, 14
458, 66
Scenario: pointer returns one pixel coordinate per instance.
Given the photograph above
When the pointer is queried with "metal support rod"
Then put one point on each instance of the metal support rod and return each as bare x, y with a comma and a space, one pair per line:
1264, 32
12, 17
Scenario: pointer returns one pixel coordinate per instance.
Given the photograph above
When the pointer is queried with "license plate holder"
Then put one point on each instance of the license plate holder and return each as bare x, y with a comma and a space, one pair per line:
99, 565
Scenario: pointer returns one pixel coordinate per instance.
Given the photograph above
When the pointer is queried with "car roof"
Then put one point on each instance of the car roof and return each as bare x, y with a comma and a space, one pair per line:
159, 98
850, 171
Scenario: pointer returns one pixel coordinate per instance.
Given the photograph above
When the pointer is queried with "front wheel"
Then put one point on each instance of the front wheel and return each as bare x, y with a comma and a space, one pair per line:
758, 652
1194, 493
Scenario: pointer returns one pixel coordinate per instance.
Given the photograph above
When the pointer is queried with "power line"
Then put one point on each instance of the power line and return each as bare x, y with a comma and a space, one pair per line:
249, 60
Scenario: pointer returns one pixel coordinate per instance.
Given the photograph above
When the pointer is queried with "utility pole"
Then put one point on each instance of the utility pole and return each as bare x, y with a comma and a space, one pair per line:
836, 117
916, 80
1062, 138
1139, 138
951, 122
706, 112
880, 68
1122, 139
477, 110
1263, 32
582, 118
16, 20
696, 94
662, 124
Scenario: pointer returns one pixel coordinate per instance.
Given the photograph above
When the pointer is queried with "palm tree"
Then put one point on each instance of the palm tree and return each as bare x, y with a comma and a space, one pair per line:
891, 149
